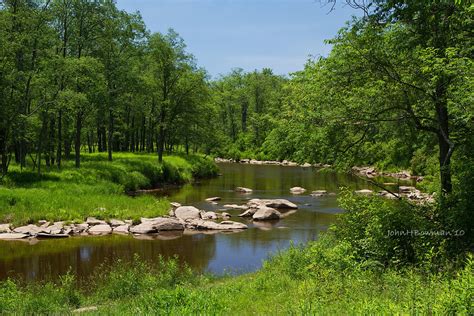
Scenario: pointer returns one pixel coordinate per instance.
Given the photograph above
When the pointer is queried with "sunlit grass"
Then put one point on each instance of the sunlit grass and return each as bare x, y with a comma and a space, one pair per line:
97, 189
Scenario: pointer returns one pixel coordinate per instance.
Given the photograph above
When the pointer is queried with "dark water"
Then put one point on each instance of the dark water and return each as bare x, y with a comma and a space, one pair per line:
205, 252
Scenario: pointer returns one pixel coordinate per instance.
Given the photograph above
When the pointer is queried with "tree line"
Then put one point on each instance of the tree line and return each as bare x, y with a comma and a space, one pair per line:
83, 75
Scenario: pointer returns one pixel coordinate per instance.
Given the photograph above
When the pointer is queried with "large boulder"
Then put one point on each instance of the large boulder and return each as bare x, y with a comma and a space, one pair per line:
273, 203
187, 212
102, 229
266, 213
167, 224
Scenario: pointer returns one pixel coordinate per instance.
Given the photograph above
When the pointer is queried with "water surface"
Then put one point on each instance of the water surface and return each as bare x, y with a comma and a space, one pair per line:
205, 252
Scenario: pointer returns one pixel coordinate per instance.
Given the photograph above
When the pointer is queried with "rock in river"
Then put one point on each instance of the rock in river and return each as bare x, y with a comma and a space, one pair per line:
266, 213
274, 203
243, 190
144, 228
213, 199
210, 225
297, 190
187, 212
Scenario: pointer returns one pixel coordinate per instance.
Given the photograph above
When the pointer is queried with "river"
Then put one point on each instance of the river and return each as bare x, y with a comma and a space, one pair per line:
212, 252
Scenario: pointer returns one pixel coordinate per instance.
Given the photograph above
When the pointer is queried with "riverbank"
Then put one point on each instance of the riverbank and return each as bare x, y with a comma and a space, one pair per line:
98, 189
320, 278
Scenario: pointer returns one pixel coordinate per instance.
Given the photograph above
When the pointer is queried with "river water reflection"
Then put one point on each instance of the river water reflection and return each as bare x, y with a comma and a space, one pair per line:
205, 252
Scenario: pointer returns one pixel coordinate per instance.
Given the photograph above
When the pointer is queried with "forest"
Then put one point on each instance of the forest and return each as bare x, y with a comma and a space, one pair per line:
83, 79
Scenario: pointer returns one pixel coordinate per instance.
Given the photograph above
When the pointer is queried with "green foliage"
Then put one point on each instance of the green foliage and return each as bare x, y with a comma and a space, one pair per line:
323, 277
96, 189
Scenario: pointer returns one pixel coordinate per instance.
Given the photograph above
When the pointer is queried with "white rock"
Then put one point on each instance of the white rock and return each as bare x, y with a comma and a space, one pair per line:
318, 193
236, 207
187, 212
297, 190
273, 203
175, 204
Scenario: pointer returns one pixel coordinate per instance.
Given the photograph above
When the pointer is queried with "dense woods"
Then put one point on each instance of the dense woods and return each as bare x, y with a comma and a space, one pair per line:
85, 76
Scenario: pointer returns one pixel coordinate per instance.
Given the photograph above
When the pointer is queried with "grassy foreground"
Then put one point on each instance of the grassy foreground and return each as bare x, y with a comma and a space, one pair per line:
321, 278
96, 189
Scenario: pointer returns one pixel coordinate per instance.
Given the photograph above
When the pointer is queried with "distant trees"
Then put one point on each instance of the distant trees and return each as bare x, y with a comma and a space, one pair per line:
82, 75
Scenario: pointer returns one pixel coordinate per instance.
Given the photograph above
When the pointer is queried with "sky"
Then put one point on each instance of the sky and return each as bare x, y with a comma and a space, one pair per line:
248, 34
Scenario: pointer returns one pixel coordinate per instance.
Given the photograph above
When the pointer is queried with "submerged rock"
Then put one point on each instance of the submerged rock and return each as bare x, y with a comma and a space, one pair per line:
243, 190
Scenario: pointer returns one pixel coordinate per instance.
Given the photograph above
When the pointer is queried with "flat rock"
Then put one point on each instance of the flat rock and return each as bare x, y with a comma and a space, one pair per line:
243, 190
210, 225
144, 228
297, 190
29, 230
266, 213
225, 215
12, 236
80, 228
102, 229
273, 203
122, 229
213, 199
187, 212
116, 222
95, 221
236, 207
5, 228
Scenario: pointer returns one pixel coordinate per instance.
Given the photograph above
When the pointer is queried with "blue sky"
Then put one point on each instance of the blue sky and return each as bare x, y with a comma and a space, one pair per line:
226, 34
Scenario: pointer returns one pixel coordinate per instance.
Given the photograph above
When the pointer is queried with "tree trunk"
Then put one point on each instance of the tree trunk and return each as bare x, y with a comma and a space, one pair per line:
60, 136
111, 135
77, 142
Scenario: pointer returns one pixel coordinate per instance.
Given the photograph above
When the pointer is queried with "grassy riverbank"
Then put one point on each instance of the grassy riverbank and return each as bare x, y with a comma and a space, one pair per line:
96, 189
322, 278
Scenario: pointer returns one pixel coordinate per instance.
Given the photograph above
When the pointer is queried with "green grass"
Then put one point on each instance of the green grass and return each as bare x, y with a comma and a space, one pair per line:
320, 278
96, 189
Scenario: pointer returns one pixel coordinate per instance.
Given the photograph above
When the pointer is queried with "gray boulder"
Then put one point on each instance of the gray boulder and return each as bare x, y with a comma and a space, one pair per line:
143, 228
102, 229
266, 213
187, 212
122, 229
